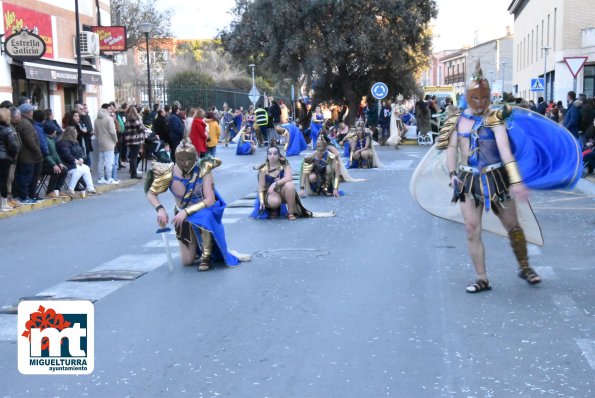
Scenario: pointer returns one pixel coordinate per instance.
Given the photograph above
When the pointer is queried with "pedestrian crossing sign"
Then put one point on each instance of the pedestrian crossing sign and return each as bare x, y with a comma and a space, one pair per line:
537, 84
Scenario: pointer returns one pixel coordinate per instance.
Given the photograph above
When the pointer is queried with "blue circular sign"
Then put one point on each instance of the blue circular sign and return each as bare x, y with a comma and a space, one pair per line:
379, 90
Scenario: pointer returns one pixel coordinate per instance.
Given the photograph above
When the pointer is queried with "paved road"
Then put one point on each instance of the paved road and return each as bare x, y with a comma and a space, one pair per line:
370, 303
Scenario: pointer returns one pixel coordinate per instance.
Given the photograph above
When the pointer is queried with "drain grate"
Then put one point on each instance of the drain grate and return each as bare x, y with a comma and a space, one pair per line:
107, 275
292, 253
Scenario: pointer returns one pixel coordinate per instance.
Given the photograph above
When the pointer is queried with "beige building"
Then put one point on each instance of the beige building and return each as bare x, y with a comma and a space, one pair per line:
51, 81
565, 28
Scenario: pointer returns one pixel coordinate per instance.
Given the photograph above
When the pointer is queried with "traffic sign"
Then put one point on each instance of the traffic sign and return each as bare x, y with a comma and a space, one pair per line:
575, 64
254, 95
537, 84
379, 90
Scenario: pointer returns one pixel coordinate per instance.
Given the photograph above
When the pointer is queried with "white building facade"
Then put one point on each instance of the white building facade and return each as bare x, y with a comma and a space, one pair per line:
546, 32
51, 81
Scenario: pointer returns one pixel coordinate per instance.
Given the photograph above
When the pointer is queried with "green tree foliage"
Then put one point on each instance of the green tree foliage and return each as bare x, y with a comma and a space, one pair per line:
132, 13
342, 46
190, 87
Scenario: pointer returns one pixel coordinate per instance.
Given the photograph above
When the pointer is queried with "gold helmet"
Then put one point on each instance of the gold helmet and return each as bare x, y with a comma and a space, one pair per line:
186, 156
478, 92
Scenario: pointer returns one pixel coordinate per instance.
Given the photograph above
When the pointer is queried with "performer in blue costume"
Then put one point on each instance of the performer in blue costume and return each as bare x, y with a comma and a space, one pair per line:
294, 139
199, 208
246, 142
502, 152
276, 190
315, 126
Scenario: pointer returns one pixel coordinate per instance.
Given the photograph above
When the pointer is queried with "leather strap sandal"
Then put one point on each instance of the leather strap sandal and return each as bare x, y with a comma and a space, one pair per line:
478, 286
529, 275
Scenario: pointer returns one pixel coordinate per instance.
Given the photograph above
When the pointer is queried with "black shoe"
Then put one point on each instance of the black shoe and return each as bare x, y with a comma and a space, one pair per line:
136, 177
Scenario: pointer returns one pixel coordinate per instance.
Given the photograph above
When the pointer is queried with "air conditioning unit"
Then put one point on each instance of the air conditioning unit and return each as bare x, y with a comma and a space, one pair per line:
89, 44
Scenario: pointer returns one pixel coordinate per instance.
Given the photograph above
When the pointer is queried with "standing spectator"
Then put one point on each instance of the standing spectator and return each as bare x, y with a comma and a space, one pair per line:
226, 122
161, 128
198, 133
384, 122
29, 158
146, 116
214, 133
134, 136
153, 114
9, 150
188, 121
423, 118
72, 156
587, 116
371, 112
105, 131
572, 117
176, 129
275, 112
15, 118
85, 130
541, 106
52, 164
284, 118
38, 117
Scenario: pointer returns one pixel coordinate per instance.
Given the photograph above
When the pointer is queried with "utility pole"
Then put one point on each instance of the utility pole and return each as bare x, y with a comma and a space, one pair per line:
545, 50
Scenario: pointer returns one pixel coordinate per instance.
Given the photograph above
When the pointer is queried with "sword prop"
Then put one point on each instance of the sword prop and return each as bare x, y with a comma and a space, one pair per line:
170, 262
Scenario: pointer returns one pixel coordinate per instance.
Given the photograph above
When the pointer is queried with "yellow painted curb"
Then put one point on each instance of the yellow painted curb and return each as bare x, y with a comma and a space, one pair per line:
54, 202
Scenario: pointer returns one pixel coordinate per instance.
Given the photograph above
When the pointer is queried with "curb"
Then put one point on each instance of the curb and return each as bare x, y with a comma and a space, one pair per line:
586, 185
101, 189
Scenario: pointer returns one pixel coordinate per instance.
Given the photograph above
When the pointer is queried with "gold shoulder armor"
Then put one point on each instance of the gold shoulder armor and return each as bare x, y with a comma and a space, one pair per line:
450, 125
162, 176
498, 116
207, 165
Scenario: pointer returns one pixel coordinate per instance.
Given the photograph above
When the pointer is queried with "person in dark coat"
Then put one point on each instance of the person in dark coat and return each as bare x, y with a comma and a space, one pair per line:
29, 158
9, 150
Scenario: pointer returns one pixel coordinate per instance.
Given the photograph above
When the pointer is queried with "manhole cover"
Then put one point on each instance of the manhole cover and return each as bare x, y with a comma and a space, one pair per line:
107, 275
292, 253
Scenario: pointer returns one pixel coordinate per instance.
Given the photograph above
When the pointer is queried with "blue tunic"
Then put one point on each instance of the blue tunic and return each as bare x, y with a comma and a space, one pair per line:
208, 219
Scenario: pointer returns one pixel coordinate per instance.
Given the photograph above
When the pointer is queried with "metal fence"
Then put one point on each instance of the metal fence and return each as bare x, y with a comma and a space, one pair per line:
203, 97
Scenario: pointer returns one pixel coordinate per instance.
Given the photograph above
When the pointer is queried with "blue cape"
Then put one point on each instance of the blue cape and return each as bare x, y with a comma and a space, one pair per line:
210, 219
297, 142
548, 156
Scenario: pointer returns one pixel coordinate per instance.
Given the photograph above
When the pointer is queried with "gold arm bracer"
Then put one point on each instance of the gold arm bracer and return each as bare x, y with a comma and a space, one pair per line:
261, 196
163, 173
514, 176
190, 210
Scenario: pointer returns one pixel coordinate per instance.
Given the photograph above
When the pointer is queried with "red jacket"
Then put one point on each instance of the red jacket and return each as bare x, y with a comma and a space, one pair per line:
198, 135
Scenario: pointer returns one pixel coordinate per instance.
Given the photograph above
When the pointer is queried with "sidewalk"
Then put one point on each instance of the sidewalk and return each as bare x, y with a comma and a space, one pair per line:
125, 181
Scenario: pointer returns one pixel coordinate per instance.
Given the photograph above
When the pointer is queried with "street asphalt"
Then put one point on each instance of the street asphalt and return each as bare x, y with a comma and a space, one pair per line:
370, 303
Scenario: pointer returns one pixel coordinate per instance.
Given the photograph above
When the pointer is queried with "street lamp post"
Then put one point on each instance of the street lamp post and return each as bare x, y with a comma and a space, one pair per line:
253, 82
147, 27
503, 66
545, 50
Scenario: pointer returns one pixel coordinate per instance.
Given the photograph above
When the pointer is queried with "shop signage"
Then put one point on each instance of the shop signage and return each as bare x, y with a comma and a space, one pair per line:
20, 18
24, 46
111, 38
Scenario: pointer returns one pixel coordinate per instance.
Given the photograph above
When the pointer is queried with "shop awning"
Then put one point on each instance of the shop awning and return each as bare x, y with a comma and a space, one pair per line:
60, 72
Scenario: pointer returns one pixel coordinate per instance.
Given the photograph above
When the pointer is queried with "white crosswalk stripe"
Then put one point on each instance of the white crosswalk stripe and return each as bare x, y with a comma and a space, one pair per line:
588, 349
